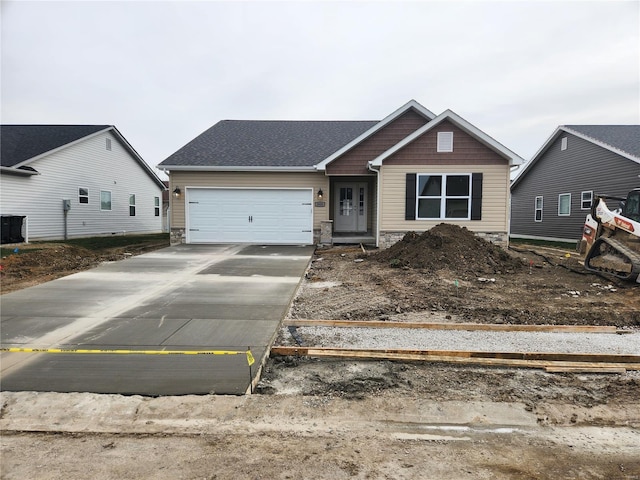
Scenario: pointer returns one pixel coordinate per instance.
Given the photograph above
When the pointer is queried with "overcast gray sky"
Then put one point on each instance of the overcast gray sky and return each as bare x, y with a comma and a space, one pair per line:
163, 72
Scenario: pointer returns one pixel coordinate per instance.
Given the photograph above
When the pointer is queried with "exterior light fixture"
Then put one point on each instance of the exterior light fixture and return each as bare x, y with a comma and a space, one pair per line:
177, 192
320, 194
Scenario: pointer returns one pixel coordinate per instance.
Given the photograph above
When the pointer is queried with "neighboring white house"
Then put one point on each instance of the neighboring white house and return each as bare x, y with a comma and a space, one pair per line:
75, 181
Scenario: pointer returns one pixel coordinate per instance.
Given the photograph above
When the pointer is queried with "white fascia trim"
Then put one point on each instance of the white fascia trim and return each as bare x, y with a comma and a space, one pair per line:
385, 121
513, 158
61, 147
553, 138
138, 158
534, 159
17, 171
120, 138
193, 168
611, 148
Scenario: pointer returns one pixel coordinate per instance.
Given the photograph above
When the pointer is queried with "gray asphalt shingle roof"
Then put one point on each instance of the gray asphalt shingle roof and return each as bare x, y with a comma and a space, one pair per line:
19, 143
621, 137
256, 143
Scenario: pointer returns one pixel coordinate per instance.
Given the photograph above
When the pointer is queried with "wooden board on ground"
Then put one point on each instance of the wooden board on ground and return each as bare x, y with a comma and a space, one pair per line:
498, 327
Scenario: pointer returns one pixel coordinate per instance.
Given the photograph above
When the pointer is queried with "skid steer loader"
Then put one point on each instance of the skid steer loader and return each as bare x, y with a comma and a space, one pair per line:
611, 238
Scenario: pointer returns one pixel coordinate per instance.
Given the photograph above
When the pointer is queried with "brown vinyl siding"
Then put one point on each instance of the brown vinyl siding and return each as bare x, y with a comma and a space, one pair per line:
354, 162
248, 180
466, 150
582, 167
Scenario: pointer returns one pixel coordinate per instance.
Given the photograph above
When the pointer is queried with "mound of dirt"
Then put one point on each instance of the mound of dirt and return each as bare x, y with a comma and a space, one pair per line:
449, 246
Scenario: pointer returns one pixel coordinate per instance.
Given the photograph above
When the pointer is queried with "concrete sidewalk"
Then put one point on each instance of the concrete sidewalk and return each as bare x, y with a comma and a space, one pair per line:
182, 298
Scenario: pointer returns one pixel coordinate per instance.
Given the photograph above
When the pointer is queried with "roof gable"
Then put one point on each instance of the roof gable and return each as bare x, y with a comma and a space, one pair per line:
623, 140
22, 143
460, 122
257, 144
411, 105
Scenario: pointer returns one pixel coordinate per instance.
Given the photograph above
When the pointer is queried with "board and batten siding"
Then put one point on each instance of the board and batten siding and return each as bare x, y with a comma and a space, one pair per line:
495, 197
185, 180
87, 164
582, 167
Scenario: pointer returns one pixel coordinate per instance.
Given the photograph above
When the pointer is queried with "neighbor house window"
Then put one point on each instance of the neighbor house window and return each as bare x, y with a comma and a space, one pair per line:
586, 199
564, 204
132, 205
105, 200
443, 197
563, 143
156, 202
83, 195
445, 141
538, 209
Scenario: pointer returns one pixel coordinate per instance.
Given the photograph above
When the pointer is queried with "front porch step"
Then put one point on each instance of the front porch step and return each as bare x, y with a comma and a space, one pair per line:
354, 239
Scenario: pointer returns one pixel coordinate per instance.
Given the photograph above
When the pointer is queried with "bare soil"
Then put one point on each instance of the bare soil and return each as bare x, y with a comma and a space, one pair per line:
321, 419
37, 263
448, 273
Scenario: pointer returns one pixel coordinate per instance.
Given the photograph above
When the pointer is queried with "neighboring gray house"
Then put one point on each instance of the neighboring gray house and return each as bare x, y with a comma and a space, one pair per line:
552, 195
62, 181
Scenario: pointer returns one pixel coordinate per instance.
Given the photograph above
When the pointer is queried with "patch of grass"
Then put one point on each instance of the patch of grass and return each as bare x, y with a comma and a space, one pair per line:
543, 243
116, 241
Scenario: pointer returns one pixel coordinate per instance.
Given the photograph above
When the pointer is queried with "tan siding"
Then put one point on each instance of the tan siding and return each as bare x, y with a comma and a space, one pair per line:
248, 180
495, 191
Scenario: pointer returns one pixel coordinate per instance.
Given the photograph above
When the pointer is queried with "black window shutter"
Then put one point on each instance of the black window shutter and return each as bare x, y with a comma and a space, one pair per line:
410, 199
476, 196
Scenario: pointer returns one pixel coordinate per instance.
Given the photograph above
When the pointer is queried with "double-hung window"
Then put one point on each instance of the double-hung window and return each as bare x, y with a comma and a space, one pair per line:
156, 203
132, 205
83, 195
538, 209
444, 196
586, 199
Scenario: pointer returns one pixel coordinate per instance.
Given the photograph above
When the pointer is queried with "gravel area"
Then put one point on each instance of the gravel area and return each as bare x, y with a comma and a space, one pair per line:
421, 339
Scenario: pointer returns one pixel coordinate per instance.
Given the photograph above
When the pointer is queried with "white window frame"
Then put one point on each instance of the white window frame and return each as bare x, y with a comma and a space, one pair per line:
81, 196
110, 201
560, 214
156, 206
443, 196
445, 142
582, 200
563, 143
132, 204
537, 209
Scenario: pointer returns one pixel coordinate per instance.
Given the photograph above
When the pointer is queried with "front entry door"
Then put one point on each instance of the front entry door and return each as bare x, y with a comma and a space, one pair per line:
350, 207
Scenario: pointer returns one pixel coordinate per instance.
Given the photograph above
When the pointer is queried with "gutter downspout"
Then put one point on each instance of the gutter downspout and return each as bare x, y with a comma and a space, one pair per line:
369, 167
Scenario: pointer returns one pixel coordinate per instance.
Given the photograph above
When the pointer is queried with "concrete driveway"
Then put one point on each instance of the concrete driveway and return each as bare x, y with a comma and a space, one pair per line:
183, 298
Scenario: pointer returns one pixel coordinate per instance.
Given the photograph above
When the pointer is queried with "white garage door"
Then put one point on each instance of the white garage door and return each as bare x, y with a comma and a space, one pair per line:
238, 215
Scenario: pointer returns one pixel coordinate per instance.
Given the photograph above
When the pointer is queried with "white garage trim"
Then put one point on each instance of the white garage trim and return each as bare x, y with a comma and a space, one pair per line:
249, 215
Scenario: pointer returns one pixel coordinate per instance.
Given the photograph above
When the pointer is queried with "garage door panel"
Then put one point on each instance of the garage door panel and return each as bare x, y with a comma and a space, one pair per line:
274, 216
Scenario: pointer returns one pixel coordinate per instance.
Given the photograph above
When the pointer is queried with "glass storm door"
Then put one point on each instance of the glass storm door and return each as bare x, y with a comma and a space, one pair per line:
350, 207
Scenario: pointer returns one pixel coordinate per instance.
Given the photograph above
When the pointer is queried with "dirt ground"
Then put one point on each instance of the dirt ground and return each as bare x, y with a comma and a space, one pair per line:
36, 263
321, 419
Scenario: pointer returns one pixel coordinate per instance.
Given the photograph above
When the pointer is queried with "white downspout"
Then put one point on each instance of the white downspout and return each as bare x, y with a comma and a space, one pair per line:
369, 167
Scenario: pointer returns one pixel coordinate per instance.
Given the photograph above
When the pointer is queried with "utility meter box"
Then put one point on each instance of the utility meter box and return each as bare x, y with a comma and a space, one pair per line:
66, 205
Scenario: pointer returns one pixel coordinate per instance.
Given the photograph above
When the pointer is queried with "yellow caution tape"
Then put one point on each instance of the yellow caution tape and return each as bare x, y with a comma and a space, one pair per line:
250, 359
